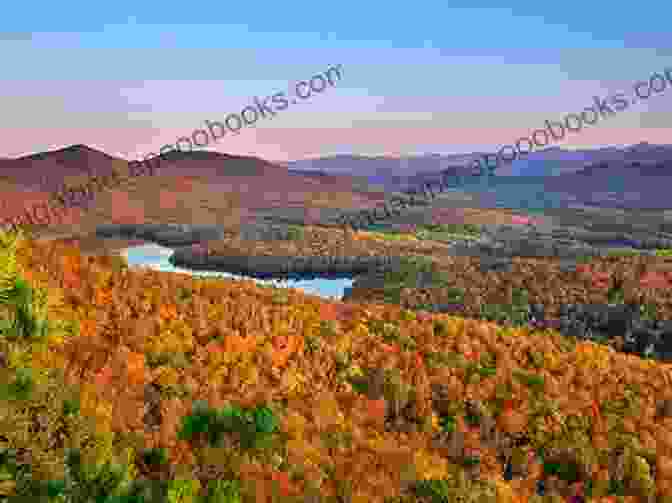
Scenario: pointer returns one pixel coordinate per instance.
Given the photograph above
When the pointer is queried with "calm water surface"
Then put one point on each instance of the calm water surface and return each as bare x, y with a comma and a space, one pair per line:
156, 257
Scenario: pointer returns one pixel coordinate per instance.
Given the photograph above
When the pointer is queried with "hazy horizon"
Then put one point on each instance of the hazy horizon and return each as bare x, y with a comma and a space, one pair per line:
429, 79
339, 154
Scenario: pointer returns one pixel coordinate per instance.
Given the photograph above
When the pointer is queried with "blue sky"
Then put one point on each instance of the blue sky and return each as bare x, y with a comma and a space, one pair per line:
417, 76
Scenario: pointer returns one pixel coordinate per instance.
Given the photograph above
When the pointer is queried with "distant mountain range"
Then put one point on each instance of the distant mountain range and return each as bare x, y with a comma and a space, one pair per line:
636, 176
384, 171
211, 187
554, 161
621, 183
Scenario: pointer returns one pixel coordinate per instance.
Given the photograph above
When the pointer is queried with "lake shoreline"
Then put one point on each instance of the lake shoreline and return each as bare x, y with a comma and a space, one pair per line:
158, 257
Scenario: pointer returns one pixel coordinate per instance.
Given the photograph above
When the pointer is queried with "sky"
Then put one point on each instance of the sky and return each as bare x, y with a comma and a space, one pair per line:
416, 77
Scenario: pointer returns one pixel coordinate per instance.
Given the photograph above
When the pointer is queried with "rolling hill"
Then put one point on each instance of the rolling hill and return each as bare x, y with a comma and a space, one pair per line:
205, 187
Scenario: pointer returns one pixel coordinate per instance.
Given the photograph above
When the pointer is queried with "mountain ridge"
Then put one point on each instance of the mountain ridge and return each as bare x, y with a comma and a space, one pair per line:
205, 186
396, 172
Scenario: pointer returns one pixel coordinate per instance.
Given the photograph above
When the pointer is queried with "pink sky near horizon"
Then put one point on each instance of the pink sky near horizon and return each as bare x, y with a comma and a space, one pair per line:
431, 77
130, 120
271, 143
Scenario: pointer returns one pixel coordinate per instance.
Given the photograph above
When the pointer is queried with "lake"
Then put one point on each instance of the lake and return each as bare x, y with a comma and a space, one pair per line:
156, 257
